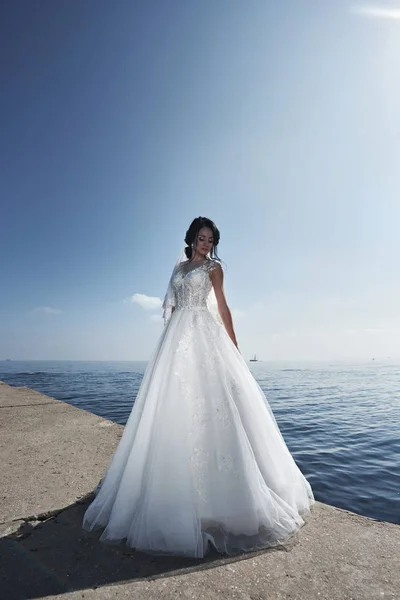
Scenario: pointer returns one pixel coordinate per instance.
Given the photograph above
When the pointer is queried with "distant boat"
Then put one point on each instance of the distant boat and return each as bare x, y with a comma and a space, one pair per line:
254, 359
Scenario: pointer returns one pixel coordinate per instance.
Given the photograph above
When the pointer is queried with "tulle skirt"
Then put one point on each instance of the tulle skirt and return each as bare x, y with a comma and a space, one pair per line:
201, 460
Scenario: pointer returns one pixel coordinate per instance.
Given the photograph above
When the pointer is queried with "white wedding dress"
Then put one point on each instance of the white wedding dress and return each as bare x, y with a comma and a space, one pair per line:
201, 459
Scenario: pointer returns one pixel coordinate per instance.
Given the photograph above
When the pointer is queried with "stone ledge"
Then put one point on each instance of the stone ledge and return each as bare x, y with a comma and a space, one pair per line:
52, 460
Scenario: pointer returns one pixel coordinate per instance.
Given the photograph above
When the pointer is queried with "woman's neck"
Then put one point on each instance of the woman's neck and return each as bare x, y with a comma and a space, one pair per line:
198, 259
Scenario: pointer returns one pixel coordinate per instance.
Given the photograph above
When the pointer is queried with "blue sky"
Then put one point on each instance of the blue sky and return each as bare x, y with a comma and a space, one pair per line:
122, 121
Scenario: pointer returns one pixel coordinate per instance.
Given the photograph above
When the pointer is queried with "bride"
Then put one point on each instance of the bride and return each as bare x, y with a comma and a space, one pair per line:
201, 460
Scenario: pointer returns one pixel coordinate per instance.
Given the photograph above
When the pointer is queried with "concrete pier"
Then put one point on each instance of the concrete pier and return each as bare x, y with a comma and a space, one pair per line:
53, 456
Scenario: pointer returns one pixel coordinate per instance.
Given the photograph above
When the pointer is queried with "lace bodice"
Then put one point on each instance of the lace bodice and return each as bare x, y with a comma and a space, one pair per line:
189, 288
191, 284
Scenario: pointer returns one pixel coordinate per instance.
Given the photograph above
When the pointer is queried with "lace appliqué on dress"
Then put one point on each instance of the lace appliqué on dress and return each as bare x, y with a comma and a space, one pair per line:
191, 289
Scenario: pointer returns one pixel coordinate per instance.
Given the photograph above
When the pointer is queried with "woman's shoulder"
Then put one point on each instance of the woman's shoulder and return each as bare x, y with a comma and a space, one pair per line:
214, 264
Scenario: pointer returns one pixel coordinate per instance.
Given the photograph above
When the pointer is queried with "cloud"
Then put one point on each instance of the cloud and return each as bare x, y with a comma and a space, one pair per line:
377, 12
47, 310
146, 302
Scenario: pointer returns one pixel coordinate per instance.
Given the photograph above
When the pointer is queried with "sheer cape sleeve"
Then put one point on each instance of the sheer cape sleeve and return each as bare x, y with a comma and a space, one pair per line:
169, 298
212, 303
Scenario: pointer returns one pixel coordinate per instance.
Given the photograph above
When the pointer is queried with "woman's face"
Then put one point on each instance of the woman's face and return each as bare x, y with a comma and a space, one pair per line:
204, 241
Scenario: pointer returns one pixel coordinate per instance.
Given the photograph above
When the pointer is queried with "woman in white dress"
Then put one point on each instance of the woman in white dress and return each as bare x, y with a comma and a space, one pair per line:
201, 460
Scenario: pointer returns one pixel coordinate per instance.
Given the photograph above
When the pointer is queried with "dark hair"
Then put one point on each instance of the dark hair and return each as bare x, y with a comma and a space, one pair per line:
193, 232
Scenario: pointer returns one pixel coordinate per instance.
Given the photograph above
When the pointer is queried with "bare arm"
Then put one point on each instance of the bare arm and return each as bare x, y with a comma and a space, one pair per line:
217, 278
